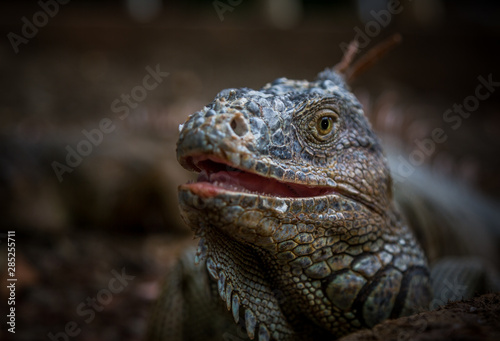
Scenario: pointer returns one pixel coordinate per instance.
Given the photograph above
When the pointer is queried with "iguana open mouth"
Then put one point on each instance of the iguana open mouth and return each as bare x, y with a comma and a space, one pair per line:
217, 175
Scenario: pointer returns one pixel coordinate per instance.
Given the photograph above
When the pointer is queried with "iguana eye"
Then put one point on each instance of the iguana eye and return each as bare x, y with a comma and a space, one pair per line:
324, 125
318, 122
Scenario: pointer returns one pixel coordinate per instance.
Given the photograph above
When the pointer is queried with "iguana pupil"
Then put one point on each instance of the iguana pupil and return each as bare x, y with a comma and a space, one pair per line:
326, 125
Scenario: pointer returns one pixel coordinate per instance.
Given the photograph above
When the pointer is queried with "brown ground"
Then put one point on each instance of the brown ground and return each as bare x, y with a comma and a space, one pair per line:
474, 319
118, 208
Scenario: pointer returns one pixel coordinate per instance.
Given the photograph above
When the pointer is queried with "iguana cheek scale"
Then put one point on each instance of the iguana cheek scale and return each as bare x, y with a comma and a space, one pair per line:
294, 211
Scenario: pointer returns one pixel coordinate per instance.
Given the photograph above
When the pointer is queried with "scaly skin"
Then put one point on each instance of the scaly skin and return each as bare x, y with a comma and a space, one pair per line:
295, 212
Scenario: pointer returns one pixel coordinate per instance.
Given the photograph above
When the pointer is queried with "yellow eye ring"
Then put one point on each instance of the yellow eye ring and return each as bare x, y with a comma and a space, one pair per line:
324, 125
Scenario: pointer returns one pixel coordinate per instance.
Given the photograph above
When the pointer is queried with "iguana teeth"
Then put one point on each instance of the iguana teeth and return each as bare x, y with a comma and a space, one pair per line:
229, 291
263, 333
201, 252
236, 308
212, 268
221, 284
250, 322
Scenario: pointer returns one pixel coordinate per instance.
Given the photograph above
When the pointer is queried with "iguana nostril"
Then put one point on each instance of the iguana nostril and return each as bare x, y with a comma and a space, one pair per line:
239, 126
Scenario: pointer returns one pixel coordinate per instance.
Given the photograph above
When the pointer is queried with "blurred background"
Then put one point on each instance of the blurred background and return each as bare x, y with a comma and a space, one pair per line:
83, 207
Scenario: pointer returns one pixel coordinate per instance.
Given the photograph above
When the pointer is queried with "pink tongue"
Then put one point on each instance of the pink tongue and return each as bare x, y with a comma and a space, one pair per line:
244, 181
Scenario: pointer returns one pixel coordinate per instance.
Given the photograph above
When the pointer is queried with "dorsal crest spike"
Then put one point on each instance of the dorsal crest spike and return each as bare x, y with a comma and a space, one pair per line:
371, 57
349, 70
346, 61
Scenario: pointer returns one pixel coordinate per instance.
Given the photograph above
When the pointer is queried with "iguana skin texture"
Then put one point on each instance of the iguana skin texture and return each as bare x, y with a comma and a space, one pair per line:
293, 206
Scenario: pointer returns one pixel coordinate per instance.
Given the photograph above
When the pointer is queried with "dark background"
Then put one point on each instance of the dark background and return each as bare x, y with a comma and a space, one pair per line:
118, 208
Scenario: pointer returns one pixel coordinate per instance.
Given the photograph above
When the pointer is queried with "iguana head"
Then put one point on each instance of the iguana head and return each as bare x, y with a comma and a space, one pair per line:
293, 205
290, 139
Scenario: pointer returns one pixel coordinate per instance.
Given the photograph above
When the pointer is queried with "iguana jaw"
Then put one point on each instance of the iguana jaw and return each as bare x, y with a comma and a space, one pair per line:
217, 176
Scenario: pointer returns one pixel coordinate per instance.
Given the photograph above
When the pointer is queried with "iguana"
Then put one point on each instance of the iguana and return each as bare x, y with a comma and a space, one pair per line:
300, 234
